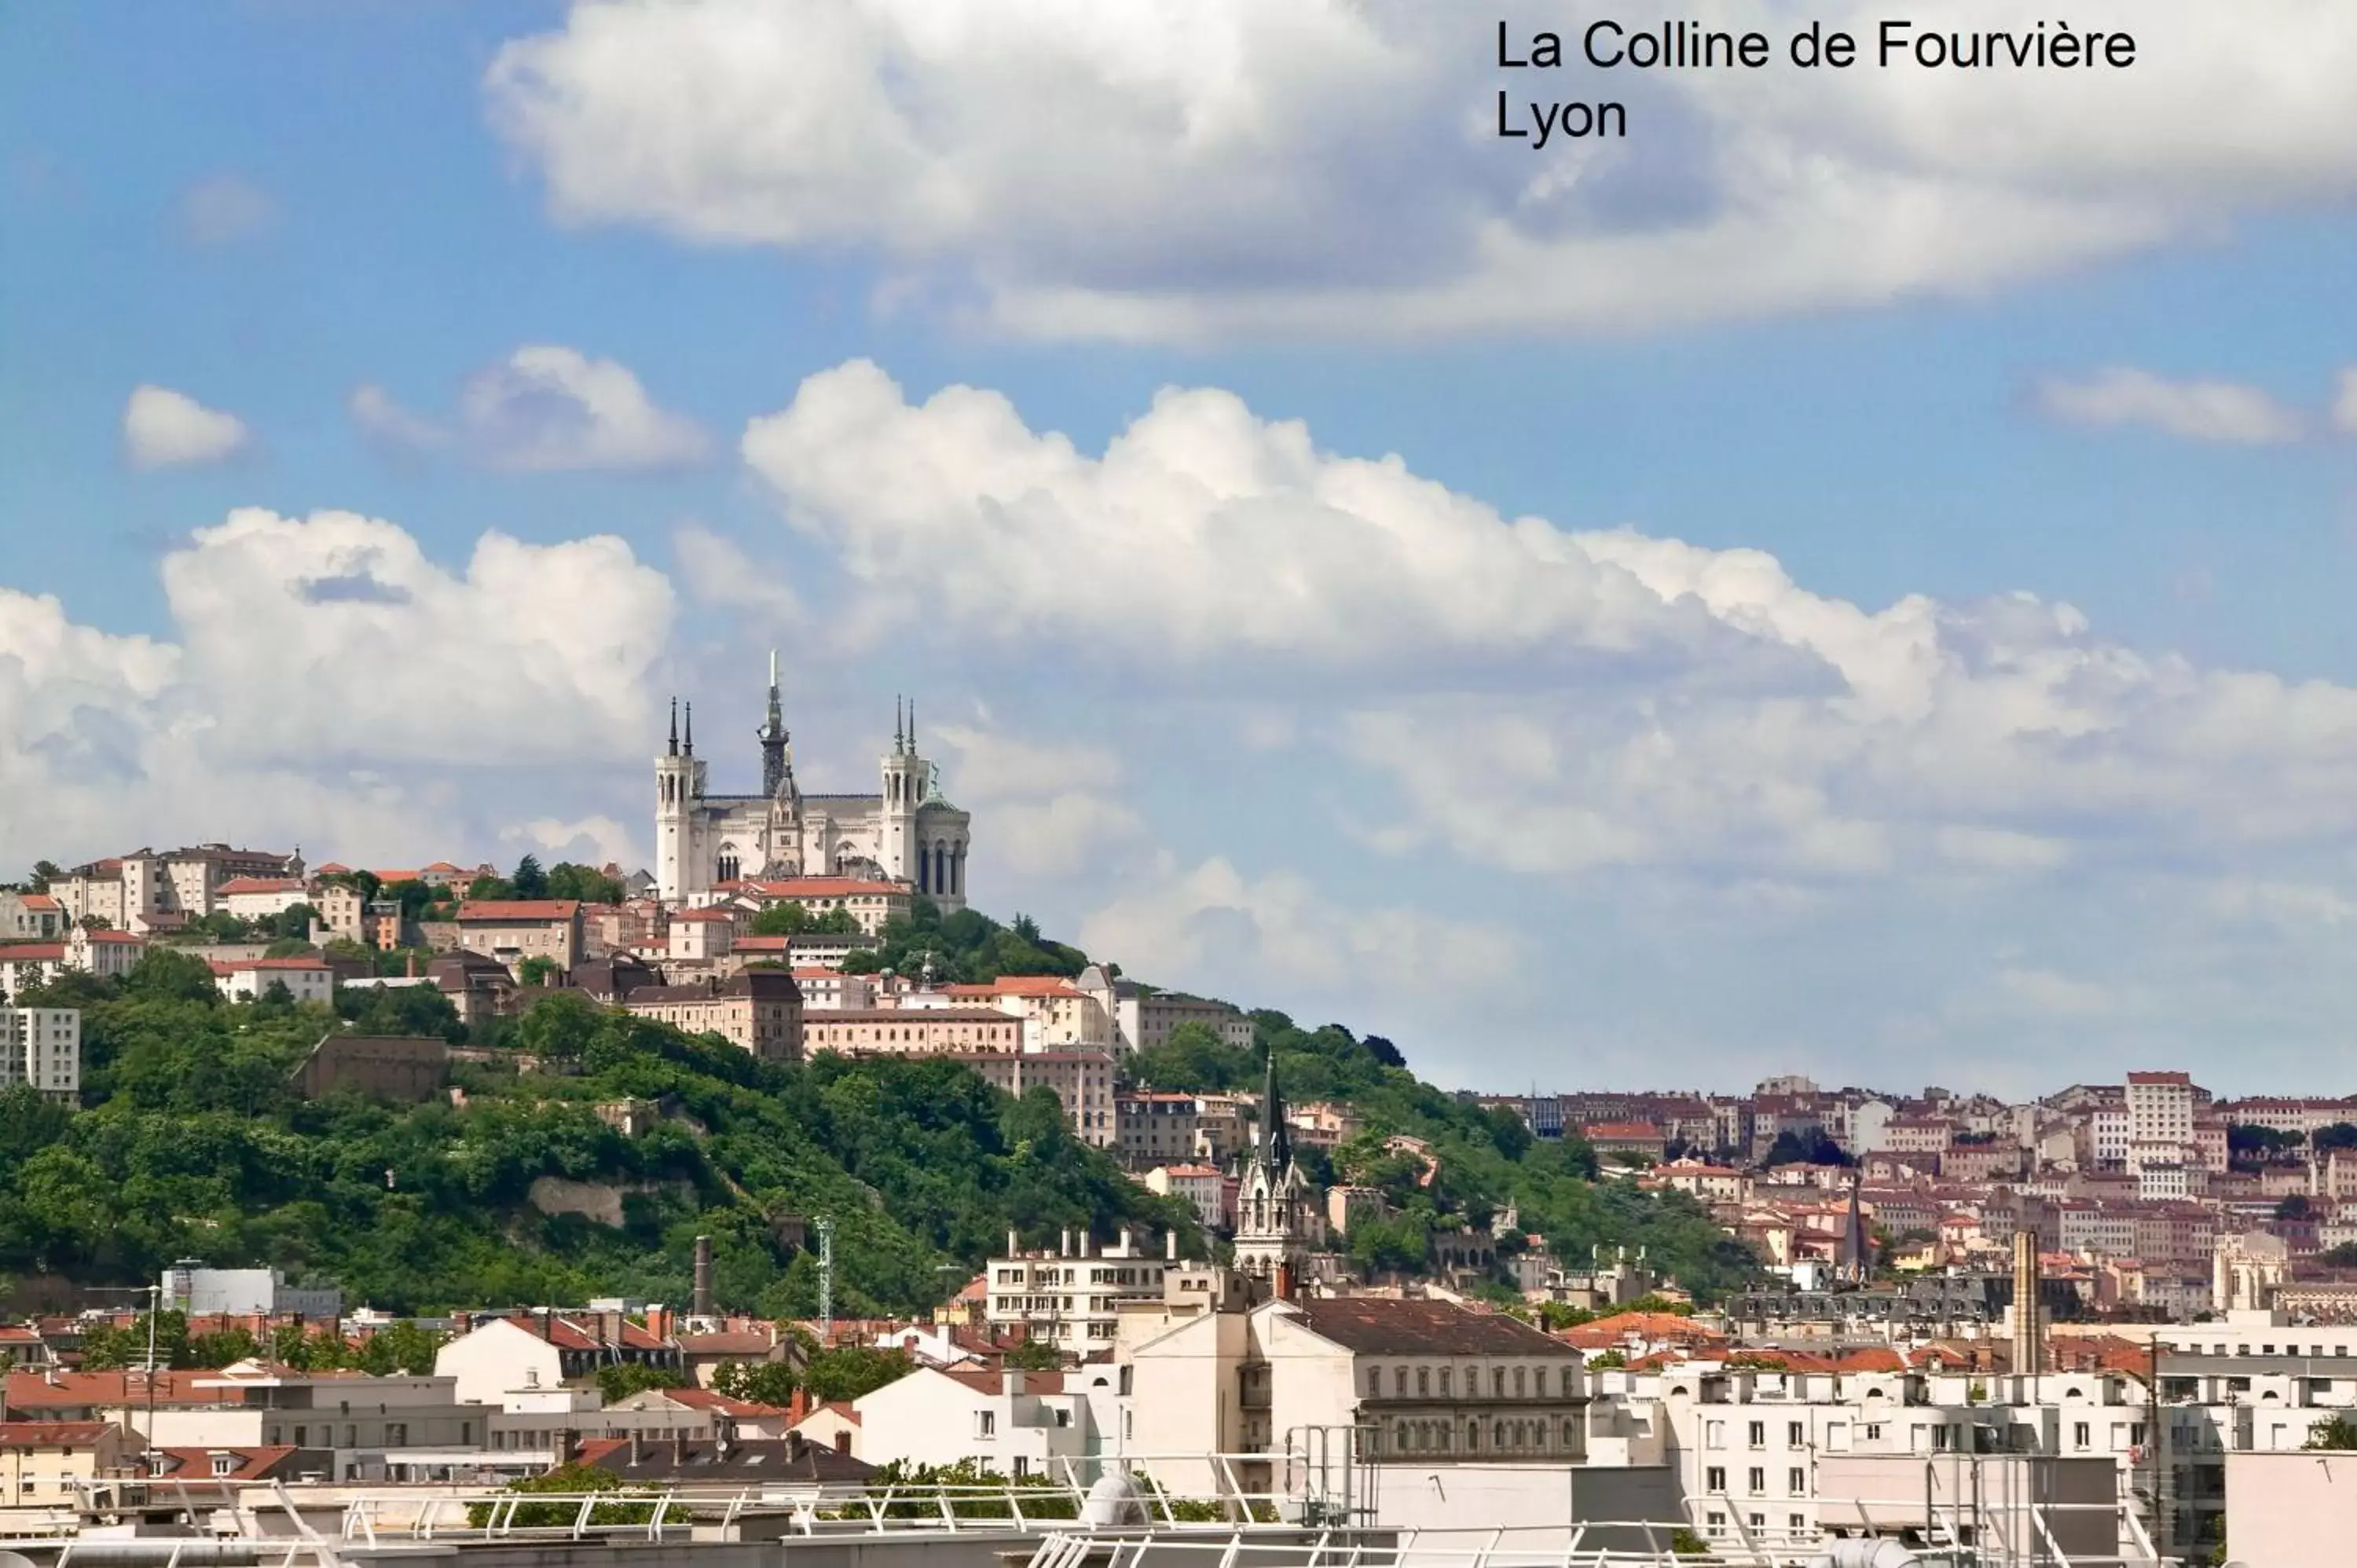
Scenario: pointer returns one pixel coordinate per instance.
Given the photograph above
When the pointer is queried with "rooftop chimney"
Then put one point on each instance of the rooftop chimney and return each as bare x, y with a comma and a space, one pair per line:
1170, 1245
1012, 1248
2025, 1301
701, 1307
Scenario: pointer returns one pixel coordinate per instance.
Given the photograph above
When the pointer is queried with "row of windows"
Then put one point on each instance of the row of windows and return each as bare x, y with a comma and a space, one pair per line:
1528, 1382
1796, 1480
1504, 1437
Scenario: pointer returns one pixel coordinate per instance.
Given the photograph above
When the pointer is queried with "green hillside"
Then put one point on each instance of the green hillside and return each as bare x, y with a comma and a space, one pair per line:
189, 1142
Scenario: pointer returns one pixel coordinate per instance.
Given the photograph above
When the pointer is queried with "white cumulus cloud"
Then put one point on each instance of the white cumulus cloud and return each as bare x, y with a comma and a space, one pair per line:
547, 406
326, 683
164, 429
1173, 169
1545, 701
2223, 411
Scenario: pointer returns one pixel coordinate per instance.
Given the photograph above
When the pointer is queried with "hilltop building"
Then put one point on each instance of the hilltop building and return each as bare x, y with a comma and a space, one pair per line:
905, 833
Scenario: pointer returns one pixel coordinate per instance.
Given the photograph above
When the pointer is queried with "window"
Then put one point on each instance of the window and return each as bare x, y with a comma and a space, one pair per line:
1873, 1433
1399, 1382
1796, 1435
1714, 1434
1758, 1480
1424, 1379
1538, 1382
985, 1423
1022, 1465
1796, 1481
1518, 1382
1759, 1435
225, 1463
301, 1435
1472, 1436
1798, 1523
1498, 1382
1444, 1383
2079, 1437
1714, 1480
1375, 1382
396, 1434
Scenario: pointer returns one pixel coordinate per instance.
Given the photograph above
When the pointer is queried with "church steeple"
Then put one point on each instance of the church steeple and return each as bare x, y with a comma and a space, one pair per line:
1276, 1141
690, 750
900, 740
674, 726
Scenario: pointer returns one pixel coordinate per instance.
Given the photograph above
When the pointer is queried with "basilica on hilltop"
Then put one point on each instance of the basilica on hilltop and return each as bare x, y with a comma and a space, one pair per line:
905, 833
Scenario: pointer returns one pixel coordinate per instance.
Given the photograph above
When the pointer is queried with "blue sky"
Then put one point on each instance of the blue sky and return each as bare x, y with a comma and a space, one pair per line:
1546, 811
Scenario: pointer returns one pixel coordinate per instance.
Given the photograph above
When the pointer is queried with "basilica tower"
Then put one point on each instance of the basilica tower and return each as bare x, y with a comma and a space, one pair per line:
680, 864
904, 788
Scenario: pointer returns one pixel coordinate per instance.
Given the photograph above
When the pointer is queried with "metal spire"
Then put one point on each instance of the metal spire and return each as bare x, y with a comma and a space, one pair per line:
674, 726
691, 729
899, 744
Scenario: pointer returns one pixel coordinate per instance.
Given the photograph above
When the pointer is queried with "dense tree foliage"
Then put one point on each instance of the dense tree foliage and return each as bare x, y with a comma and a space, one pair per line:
794, 921
968, 947
191, 1144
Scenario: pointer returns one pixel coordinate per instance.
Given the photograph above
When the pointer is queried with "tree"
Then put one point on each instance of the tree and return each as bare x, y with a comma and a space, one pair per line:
44, 872
620, 1381
163, 975
2339, 1135
782, 919
1814, 1148
223, 1348
2298, 1206
2344, 1256
861, 960
1034, 1355
400, 1347
756, 1382
847, 1371
585, 883
537, 970
529, 881
2334, 1432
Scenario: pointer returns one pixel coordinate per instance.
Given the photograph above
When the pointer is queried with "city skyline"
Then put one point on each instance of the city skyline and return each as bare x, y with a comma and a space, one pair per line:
1922, 643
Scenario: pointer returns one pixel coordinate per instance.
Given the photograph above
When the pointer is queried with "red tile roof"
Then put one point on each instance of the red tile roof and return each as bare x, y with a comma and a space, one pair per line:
518, 909
253, 1463
828, 887
53, 1433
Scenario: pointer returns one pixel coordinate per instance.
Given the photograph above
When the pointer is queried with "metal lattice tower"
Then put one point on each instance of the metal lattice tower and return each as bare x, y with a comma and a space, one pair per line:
824, 1225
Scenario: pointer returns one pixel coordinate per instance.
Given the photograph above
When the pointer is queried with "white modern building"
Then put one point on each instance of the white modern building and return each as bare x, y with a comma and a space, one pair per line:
42, 1047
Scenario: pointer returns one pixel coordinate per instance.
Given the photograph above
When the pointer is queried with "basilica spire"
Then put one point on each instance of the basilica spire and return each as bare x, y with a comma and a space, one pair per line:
674, 726
777, 760
691, 729
899, 742
912, 726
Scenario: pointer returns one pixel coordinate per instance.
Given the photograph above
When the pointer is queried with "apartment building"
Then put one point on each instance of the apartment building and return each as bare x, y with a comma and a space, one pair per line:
514, 930
42, 1047
149, 890
759, 1010
894, 1031
1071, 1297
